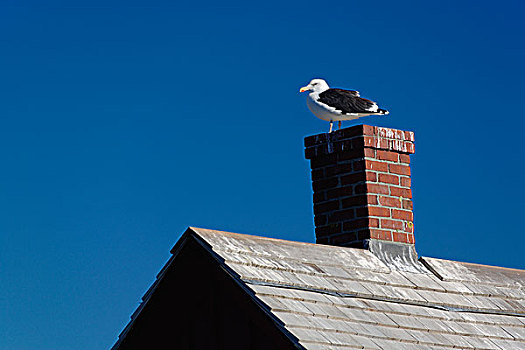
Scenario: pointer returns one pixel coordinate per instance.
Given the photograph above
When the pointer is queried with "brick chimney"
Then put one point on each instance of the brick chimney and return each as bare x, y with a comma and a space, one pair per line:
361, 183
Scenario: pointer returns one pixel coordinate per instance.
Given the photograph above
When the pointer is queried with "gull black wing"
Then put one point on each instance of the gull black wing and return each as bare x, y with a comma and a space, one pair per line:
346, 101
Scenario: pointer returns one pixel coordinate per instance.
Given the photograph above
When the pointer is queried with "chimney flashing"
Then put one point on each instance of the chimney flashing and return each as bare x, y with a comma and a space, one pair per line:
401, 257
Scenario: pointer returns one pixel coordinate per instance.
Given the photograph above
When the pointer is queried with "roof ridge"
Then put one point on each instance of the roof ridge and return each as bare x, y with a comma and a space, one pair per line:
212, 231
197, 230
510, 269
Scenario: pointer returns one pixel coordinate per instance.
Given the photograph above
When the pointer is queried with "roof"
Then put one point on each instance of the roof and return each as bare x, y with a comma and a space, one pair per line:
330, 297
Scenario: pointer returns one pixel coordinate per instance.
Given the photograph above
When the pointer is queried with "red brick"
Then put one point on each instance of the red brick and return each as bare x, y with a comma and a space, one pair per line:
354, 201
404, 158
310, 140
346, 144
383, 235
372, 222
320, 220
363, 234
379, 211
399, 146
396, 225
320, 208
371, 188
360, 188
360, 200
359, 165
337, 147
389, 179
371, 176
323, 161
377, 188
328, 230
362, 185
377, 166
318, 139
325, 184
399, 169
390, 133
409, 136
310, 153
353, 178
409, 147
341, 215
389, 202
342, 169
366, 141
368, 130
343, 238
350, 152
372, 199
318, 174
339, 192
351, 132
400, 192
358, 142
386, 155
354, 131
360, 223
319, 197
321, 240
370, 153
361, 212
383, 143
330, 171
400, 237
402, 214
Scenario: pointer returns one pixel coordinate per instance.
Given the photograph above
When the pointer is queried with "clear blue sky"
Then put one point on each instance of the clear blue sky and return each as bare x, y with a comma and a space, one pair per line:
124, 122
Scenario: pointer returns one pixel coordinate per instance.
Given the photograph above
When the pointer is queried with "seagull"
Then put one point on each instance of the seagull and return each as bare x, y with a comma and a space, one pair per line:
337, 104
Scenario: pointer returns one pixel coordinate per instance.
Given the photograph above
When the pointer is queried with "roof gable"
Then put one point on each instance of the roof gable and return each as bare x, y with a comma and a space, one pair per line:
198, 303
335, 296
328, 297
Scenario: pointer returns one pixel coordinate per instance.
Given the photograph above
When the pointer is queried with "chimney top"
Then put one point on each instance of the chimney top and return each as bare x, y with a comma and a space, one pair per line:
361, 182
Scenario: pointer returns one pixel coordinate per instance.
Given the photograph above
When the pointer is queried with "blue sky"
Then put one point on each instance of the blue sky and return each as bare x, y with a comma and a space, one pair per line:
122, 123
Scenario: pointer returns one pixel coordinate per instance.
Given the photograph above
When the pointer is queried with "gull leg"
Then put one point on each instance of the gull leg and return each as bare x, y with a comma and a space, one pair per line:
331, 125
339, 125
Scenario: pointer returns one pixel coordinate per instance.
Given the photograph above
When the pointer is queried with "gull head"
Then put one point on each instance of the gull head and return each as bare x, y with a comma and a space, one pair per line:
316, 85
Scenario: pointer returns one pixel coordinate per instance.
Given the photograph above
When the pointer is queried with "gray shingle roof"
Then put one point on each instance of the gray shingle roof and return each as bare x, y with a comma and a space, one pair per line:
332, 297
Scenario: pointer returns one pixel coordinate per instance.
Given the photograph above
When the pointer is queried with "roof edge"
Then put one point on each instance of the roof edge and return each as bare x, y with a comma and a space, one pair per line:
241, 283
192, 233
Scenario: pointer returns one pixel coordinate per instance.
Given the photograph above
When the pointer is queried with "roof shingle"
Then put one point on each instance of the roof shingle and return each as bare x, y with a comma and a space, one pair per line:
341, 298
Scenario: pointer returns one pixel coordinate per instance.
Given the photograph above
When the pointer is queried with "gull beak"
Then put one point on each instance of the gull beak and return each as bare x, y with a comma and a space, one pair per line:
303, 89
